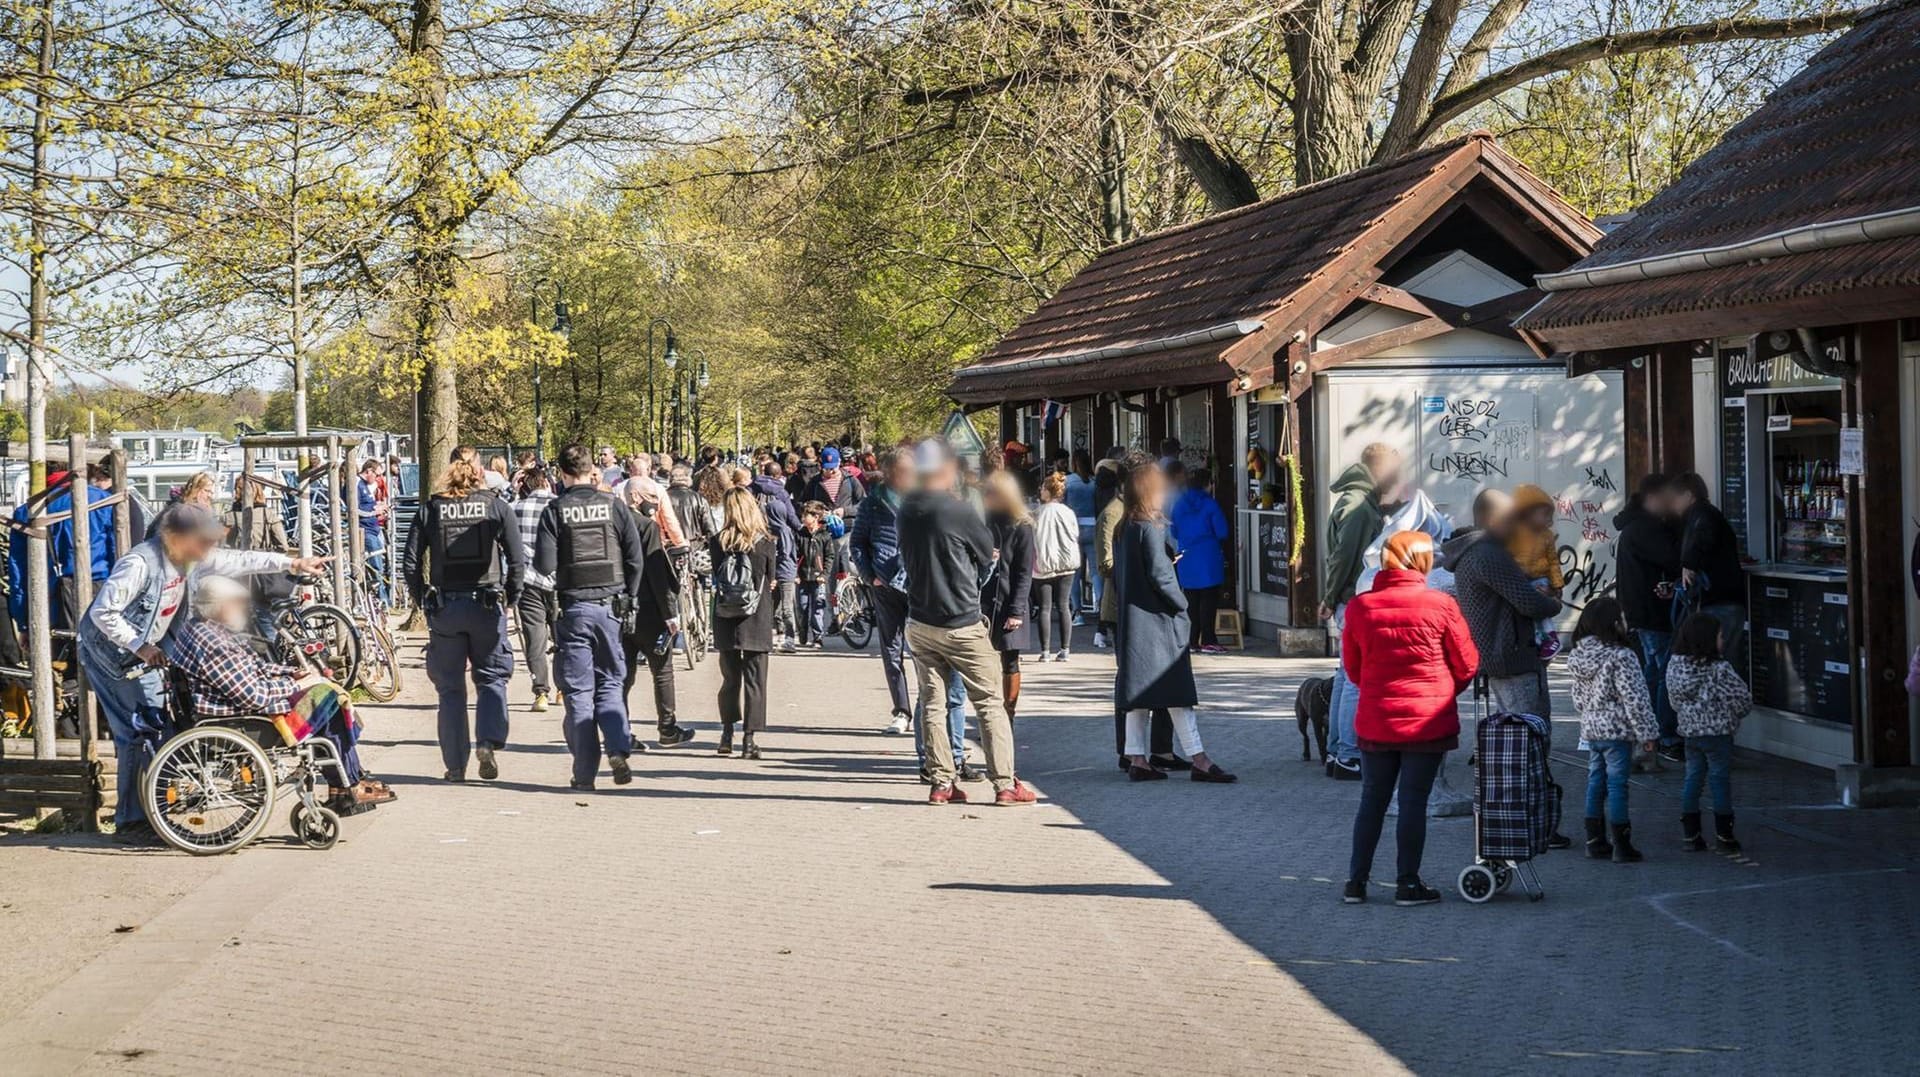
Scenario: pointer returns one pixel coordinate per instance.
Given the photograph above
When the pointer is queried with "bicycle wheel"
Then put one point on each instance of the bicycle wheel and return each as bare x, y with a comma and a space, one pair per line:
330, 642
379, 670
209, 790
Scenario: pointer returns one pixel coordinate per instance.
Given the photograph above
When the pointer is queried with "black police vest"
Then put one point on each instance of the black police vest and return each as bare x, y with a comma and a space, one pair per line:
588, 546
466, 542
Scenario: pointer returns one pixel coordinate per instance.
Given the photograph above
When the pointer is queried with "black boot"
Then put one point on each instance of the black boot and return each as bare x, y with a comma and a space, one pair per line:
1690, 838
1723, 834
1623, 850
1597, 847
748, 749
726, 740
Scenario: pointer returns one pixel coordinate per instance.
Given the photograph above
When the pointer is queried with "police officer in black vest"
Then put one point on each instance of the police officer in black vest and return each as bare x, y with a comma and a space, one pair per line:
589, 545
464, 530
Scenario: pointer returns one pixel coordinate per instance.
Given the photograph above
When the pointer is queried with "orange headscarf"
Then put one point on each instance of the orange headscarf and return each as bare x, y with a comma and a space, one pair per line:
1409, 550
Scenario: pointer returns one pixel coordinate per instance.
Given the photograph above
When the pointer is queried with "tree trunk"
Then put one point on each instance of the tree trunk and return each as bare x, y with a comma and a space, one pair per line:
39, 585
1116, 218
1329, 125
435, 225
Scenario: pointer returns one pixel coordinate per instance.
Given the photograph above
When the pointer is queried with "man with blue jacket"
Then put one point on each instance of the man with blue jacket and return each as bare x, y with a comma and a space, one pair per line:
60, 550
875, 550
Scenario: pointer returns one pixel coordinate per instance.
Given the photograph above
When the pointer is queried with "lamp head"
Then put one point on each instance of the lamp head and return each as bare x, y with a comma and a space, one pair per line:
672, 357
562, 321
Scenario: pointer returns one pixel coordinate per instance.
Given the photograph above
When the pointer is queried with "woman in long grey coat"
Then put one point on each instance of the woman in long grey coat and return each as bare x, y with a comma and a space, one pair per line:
1155, 667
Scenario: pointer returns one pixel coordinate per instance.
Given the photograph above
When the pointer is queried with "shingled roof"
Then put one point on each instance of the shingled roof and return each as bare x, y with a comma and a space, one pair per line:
1838, 142
1211, 300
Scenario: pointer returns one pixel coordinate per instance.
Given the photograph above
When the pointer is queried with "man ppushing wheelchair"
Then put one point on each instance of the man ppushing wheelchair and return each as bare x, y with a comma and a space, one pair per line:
248, 731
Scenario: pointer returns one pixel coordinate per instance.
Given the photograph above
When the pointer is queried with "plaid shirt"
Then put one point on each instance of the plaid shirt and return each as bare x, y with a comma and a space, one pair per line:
527, 512
226, 677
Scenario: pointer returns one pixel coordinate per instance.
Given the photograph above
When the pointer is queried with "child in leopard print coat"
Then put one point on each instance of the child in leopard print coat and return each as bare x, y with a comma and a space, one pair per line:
1710, 699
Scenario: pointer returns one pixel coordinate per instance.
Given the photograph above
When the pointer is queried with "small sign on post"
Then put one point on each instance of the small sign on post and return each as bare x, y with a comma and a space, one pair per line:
960, 434
1853, 451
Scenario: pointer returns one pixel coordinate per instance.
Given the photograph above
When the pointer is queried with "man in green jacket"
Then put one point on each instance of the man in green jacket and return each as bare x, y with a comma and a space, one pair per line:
1353, 521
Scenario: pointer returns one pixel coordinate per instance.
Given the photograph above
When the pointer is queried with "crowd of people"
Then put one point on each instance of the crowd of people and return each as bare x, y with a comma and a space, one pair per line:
969, 570
1423, 612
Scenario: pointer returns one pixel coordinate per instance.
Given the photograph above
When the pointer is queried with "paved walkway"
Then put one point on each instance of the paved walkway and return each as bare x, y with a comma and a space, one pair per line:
808, 913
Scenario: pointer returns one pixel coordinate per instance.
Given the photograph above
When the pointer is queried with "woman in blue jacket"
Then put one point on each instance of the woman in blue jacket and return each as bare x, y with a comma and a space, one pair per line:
1199, 529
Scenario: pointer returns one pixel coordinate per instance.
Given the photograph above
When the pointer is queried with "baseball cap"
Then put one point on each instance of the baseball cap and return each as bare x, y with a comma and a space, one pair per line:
931, 455
830, 457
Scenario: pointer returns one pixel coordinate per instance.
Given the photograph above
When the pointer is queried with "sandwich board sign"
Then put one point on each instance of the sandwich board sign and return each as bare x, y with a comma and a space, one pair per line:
960, 434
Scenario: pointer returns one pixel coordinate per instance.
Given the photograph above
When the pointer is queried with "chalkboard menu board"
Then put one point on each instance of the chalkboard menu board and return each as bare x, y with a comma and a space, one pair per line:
1733, 441
1802, 658
1273, 543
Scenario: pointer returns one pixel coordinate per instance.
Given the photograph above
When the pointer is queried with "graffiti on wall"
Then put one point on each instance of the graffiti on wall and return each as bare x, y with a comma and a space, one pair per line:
1478, 438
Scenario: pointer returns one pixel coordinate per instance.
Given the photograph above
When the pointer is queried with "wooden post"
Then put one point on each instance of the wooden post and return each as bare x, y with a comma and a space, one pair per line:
123, 536
1877, 558
1156, 421
1303, 589
1639, 424
1226, 481
1672, 390
356, 539
82, 522
1100, 439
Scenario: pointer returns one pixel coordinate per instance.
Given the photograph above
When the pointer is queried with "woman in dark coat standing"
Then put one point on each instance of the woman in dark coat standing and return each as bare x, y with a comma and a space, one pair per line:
1005, 598
744, 642
1155, 666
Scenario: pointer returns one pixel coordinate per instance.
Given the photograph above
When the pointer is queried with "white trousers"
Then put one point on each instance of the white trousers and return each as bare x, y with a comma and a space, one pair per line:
1186, 731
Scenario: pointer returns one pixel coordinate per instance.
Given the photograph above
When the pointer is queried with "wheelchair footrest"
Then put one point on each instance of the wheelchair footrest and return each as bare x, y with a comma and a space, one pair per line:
346, 807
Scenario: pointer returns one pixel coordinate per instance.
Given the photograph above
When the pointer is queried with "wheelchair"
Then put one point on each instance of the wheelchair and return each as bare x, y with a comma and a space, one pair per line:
212, 787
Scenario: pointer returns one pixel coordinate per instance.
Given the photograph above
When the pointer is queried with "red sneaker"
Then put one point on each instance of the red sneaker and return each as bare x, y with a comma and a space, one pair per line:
946, 794
1016, 794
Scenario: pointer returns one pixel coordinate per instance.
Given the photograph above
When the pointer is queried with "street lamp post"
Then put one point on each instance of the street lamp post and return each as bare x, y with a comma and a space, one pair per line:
563, 325
672, 359
698, 382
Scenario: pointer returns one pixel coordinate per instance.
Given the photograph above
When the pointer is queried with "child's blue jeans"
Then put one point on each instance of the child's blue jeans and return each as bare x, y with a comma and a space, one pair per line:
1709, 760
1608, 764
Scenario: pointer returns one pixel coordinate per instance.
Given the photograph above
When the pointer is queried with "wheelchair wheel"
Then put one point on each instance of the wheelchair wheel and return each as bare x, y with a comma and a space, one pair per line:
379, 671
208, 790
317, 831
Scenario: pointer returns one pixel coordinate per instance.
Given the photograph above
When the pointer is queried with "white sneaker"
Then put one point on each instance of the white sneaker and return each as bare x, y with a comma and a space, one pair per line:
898, 726
540, 703
1100, 640
1061, 657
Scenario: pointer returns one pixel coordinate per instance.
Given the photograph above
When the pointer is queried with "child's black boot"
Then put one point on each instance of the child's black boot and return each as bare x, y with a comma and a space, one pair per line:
1623, 850
1723, 839
1597, 847
1690, 838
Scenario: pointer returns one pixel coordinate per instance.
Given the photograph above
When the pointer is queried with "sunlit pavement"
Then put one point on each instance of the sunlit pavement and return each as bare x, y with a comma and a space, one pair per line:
808, 913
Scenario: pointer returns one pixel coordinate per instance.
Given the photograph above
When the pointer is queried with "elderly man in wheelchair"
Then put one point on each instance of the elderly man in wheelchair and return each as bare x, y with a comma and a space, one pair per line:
249, 728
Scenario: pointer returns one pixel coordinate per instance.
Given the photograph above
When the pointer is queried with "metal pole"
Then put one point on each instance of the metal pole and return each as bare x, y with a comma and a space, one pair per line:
739, 431
336, 518
539, 417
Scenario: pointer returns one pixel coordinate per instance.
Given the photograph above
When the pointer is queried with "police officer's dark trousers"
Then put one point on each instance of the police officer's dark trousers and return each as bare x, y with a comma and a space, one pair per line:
590, 668
465, 631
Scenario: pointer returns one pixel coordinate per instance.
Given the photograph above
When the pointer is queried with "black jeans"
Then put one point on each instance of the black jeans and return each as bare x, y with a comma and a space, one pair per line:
1054, 612
537, 611
743, 689
639, 649
1202, 604
890, 621
1414, 772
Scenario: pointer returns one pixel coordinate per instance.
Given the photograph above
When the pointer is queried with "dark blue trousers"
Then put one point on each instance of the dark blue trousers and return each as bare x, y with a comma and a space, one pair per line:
464, 633
590, 669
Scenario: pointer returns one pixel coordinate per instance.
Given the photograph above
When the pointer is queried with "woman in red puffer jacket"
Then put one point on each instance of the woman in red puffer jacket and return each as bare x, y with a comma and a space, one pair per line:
1408, 651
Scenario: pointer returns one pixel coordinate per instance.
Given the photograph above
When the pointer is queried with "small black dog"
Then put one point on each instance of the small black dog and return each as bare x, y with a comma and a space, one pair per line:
1311, 704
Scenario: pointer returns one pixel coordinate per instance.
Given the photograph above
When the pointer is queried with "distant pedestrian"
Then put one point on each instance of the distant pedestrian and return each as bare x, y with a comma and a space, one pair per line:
1710, 563
1082, 498
1199, 529
1354, 520
1710, 699
1409, 651
1646, 565
536, 609
874, 549
818, 555
1006, 596
1616, 714
1154, 665
611, 473
744, 554
1107, 519
1056, 561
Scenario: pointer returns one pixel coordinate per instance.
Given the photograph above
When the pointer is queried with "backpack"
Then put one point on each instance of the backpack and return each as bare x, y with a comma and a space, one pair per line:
736, 594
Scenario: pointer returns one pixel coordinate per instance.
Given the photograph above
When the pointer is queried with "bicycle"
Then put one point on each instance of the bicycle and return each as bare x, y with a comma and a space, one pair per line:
379, 671
853, 611
696, 608
315, 636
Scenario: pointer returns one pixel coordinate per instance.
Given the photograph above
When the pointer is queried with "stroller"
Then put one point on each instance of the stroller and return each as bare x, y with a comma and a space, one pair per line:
1516, 805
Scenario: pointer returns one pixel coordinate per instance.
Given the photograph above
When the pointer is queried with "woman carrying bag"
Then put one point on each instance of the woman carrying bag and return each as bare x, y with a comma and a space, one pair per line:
743, 560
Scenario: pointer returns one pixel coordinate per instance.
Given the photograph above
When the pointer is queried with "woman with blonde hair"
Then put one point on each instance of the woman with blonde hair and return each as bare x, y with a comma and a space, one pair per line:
1154, 663
1005, 599
743, 553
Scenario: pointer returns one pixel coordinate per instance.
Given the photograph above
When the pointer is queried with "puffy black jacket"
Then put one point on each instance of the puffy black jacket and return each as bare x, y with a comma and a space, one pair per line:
1707, 544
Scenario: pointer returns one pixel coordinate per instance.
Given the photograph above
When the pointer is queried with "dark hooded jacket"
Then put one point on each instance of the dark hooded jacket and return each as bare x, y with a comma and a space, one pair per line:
783, 522
1646, 555
1500, 602
1353, 520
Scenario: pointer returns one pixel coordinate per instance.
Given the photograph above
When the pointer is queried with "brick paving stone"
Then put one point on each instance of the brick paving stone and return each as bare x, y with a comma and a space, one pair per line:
808, 913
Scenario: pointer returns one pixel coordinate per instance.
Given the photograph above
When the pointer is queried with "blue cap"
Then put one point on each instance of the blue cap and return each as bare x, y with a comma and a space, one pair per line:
830, 457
